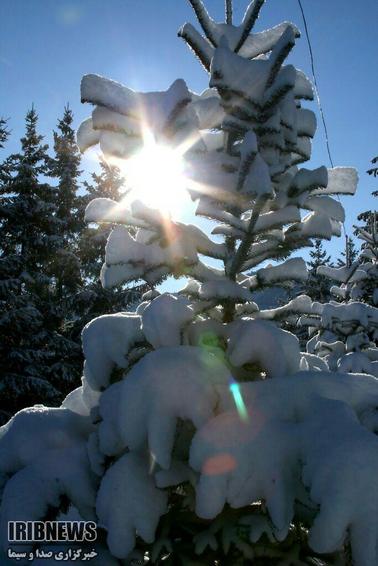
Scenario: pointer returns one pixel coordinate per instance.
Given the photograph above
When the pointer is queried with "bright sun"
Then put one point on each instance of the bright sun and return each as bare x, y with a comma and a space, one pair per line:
155, 175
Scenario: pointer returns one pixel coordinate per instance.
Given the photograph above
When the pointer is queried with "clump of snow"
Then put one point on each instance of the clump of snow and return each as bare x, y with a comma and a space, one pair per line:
164, 318
165, 385
128, 503
253, 341
106, 343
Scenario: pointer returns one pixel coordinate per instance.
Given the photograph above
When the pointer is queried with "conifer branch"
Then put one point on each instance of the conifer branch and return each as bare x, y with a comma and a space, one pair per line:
250, 17
228, 11
198, 44
244, 246
204, 19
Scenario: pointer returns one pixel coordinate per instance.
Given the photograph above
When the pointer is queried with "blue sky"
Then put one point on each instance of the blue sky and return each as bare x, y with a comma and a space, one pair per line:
47, 45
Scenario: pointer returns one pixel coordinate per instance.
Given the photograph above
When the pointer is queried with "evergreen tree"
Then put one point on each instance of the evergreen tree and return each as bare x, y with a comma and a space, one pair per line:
367, 216
64, 267
317, 286
193, 438
4, 168
365, 287
27, 242
344, 333
4, 133
68, 216
350, 253
6, 163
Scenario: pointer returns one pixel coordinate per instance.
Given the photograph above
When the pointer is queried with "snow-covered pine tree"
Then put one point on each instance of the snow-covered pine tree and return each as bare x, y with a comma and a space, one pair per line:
344, 332
63, 267
26, 225
6, 279
317, 286
365, 289
193, 438
65, 167
366, 216
345, 335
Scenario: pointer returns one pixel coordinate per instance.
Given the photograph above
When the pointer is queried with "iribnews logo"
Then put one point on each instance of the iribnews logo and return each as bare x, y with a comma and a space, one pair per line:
51, 531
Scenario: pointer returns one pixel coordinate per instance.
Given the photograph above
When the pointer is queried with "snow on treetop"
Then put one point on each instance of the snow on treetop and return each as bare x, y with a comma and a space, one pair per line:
239, 38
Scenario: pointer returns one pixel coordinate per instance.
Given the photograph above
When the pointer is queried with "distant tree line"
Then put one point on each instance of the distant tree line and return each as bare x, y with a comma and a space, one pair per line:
50, 264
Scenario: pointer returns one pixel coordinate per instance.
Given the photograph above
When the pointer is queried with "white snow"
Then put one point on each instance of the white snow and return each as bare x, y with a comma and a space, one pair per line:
106, 343
86, 136
34, 431
128, 503
294, 268
107, 210
341, 180
156, 108
255, 341
164, 319
165, 385
225, 290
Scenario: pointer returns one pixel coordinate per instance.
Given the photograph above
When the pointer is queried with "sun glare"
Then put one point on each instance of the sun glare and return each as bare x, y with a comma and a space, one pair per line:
155, 175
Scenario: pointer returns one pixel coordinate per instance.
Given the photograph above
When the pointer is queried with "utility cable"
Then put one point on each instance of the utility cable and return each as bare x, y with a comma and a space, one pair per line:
316, 88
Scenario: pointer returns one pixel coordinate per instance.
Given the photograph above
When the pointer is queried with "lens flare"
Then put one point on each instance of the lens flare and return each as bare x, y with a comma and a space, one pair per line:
239, 402
155, 175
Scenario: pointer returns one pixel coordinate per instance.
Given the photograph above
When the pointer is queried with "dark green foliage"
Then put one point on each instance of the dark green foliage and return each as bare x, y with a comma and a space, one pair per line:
318, 286
367, 216
27, 236
374, 170
49, 266
3, 132
350, 253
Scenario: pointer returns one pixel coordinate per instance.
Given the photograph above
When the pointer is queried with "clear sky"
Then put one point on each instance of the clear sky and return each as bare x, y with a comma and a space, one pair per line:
47, 45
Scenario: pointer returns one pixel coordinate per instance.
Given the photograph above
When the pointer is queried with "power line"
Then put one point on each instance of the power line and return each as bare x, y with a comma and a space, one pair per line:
316, 82
316, 88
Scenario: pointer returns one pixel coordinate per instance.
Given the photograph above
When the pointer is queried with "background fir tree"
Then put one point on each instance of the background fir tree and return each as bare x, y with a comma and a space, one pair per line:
317, 286
65, 167
349, 254
46, 295
64, 266
367, 217
345, 335
27, 242
5, 164
367, 289
4, 133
